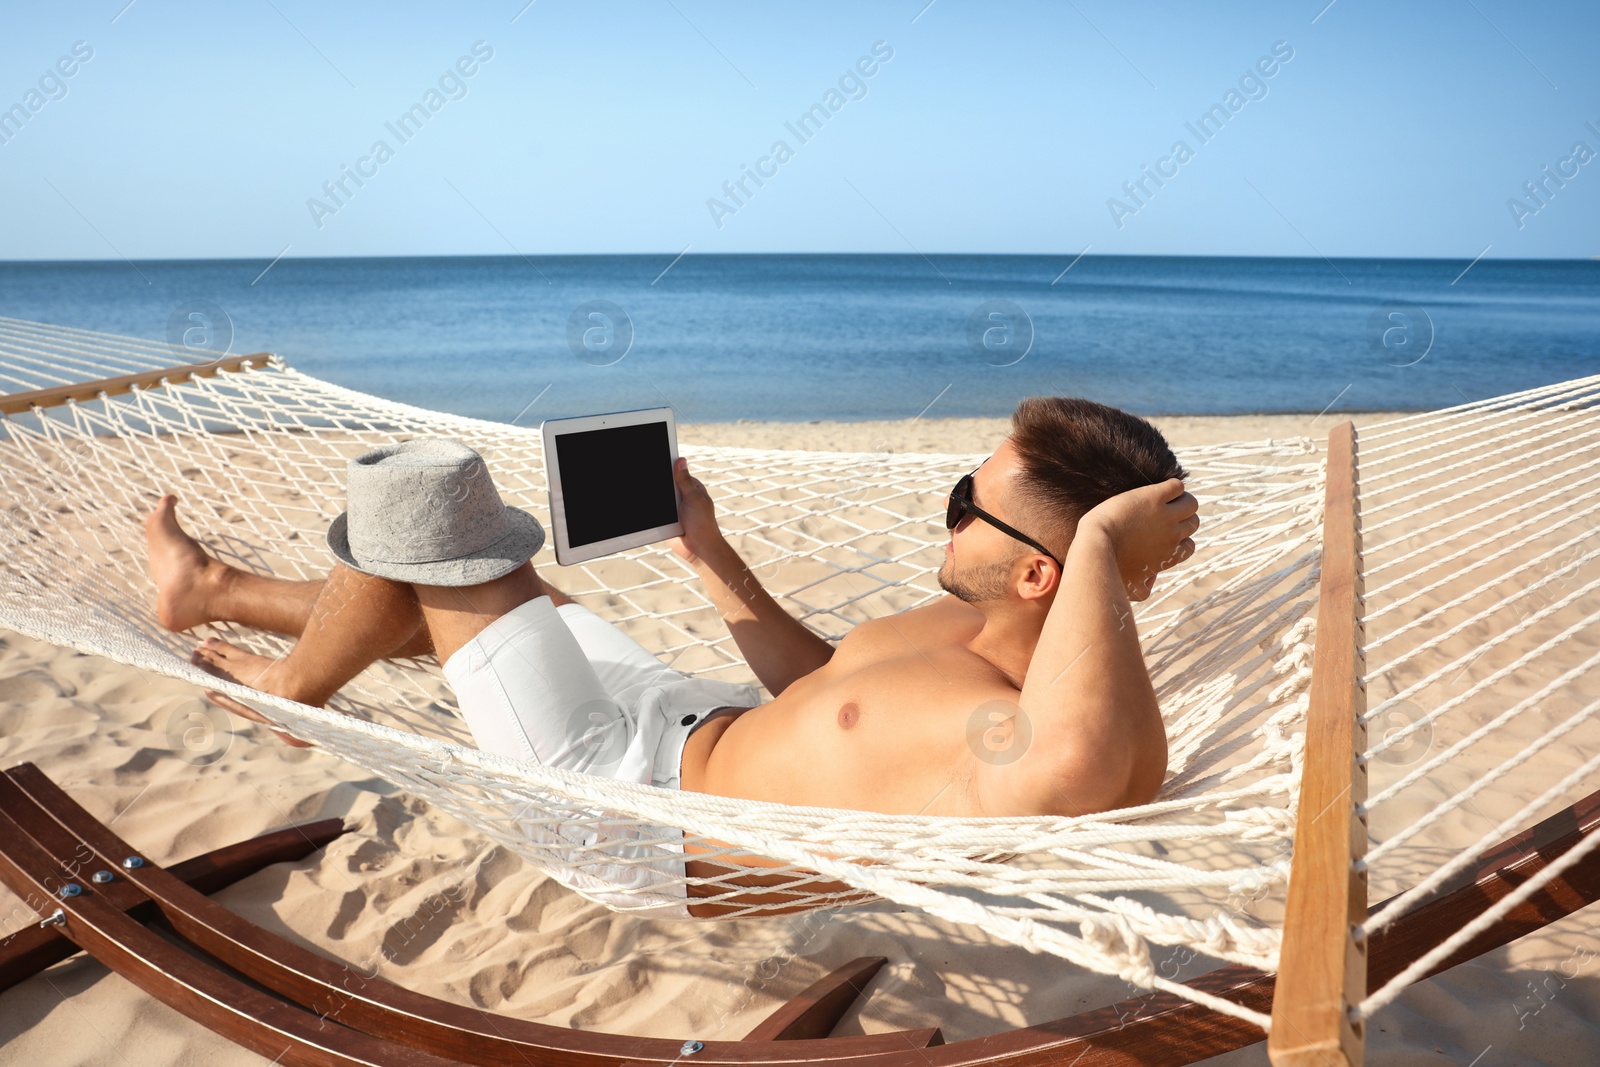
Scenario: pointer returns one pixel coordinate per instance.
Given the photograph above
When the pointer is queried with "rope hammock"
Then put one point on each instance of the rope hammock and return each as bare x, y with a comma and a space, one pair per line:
1478, 528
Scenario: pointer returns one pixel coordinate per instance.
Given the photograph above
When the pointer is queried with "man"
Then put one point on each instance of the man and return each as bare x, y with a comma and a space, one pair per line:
1022, 693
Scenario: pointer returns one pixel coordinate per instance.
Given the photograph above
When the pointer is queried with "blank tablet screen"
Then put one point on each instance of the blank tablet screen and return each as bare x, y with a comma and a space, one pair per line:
616, 481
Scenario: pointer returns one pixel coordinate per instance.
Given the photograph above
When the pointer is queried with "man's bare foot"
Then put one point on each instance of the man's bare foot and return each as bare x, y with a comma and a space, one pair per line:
218, 657
186, 578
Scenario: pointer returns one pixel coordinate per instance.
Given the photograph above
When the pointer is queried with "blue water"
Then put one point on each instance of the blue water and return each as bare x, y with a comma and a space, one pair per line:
799, 337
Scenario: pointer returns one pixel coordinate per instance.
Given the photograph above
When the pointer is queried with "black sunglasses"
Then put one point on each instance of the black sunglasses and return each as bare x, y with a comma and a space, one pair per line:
961, 503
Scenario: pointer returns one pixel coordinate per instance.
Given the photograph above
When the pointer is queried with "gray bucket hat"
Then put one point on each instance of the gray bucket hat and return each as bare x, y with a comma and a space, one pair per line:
427, 511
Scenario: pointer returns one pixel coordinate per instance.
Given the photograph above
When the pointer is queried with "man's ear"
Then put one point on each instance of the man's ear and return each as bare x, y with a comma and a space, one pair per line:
1034, 587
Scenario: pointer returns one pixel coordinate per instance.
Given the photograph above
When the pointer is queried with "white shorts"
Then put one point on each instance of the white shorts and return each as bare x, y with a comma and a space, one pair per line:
564, 688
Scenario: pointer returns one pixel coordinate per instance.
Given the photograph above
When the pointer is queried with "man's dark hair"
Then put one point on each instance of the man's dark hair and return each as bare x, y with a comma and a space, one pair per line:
1076, 453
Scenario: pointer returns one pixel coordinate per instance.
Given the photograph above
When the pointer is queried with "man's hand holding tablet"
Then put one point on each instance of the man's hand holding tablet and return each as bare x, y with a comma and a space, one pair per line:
701, 534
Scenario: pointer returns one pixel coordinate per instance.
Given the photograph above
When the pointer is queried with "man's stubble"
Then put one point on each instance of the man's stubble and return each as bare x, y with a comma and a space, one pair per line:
983, 582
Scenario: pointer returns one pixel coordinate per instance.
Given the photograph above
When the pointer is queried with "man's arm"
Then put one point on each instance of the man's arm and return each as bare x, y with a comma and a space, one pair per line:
1098, 741
778, 647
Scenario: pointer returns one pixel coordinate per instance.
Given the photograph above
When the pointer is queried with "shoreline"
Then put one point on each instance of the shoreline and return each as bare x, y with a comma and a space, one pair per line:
985, 434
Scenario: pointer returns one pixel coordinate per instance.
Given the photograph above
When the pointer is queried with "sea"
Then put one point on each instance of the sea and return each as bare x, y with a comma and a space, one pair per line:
721, 338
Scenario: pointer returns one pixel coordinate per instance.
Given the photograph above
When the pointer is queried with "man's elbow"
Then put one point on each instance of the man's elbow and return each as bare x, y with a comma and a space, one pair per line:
1147, 770
1111, 783
1146, 782
1145, 765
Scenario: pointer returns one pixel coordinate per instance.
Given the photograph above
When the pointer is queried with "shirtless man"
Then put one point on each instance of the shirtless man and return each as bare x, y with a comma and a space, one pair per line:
1024, 692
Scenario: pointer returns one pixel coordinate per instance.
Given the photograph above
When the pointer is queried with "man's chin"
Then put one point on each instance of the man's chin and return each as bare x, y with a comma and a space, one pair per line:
944, 582
955, 589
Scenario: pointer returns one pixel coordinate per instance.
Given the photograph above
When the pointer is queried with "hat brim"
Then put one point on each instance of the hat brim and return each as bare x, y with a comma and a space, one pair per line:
524, 538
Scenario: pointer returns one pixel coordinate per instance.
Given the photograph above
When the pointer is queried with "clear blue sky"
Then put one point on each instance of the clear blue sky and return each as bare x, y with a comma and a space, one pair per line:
201, 130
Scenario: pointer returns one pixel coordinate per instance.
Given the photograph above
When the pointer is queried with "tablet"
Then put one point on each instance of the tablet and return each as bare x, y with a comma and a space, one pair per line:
611, 484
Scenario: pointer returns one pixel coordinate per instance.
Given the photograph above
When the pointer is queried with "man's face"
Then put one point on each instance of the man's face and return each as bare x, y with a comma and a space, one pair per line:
978, 561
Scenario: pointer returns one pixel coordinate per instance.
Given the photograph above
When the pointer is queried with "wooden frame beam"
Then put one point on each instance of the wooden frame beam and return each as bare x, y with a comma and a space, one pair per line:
1322, 966
17, 403
33, 948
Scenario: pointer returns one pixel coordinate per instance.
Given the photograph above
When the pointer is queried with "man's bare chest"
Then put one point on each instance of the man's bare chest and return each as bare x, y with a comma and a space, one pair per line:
887, 722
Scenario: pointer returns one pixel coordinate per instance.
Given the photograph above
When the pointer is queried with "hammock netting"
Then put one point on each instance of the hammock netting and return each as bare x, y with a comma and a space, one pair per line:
1479, 554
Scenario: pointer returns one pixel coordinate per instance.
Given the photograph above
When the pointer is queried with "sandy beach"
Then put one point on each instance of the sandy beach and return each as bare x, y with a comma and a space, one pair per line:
432, 906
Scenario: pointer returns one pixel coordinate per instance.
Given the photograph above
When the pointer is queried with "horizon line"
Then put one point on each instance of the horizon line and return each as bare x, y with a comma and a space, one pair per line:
737, 255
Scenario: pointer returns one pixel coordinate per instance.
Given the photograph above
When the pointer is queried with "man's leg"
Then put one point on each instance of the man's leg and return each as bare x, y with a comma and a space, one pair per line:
358, 619
192, 589
454, 615
353, 623
525, 685
343, 623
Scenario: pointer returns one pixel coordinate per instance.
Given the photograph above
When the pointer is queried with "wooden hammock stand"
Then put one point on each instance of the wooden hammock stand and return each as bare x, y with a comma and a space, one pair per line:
297, 1007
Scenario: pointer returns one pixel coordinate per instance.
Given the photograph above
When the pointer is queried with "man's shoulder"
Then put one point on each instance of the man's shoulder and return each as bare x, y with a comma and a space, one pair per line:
947, 604
944, 614
948, 610
947, 619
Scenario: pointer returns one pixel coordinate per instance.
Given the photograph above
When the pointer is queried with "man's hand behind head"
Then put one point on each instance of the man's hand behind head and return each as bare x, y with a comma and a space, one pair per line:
1152, 528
